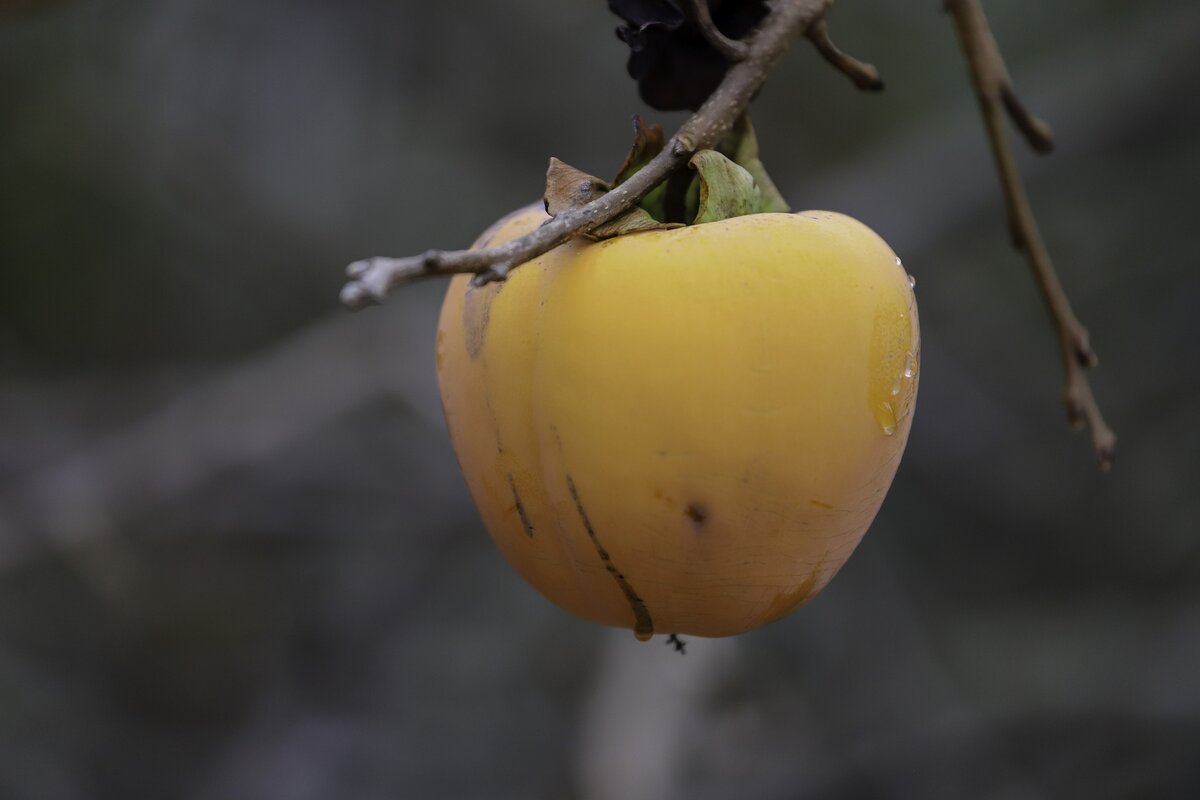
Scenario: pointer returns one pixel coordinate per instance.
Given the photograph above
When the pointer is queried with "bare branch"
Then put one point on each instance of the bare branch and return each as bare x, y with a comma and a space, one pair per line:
990, 73
372, 279
994, 90
1038, 132
731, 49
864, 76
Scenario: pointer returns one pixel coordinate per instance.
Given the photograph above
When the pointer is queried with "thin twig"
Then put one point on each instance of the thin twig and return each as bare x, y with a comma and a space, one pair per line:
996, 96
373, 278
732, 50
864, 76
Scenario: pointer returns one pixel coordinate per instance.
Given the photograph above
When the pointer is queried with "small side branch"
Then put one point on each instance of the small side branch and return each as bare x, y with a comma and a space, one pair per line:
989, 76
372, 279
864, 76
731, 49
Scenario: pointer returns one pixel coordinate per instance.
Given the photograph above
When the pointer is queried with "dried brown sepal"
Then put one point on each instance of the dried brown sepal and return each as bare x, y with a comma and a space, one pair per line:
648, 141
568, 188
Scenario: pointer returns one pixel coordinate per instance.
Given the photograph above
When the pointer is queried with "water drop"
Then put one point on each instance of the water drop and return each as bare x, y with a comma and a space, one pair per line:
896, 388
898, 264
885, 415
909, 366
912, 282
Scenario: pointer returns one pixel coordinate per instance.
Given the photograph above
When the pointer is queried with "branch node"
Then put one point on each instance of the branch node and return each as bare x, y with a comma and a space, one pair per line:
358, 268
431, 260
1085, 356
864, 75
359, 294
1036, 131
497, 273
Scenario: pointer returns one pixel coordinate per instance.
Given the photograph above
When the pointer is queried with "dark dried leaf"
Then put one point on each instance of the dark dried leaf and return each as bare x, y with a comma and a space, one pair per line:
674, 65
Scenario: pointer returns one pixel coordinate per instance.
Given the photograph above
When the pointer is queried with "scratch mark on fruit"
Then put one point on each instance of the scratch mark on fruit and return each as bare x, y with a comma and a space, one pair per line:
643, 624
477, 313
521, 512
820, 504
697, 513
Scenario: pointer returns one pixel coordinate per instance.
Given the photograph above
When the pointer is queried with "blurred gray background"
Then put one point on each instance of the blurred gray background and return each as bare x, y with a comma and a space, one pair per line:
237, 559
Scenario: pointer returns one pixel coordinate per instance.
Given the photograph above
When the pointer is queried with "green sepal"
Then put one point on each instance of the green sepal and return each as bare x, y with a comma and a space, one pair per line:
725, 189
745, 153
632, 221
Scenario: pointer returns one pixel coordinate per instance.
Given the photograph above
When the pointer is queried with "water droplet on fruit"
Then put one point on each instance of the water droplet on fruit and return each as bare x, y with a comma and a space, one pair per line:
912, 282
885, 415
893, 358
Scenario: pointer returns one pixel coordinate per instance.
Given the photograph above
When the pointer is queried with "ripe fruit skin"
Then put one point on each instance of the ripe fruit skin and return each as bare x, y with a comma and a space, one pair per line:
683, 431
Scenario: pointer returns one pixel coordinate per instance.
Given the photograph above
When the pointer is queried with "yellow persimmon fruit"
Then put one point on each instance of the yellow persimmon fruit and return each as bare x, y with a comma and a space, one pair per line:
687, 430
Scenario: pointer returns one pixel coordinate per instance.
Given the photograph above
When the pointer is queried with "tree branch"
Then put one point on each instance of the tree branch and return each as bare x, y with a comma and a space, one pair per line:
731, 49
864, 76
372, 279
993, 87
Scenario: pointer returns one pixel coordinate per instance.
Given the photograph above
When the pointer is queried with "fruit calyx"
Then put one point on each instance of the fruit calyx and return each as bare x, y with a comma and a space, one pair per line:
727, 182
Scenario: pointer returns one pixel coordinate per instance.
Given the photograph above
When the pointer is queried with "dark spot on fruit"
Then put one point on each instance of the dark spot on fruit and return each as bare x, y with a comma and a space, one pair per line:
819, 504
521, 512
697, 513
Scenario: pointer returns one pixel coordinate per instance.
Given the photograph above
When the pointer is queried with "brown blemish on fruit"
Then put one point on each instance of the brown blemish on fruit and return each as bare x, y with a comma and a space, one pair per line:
477, 313
643, 625
819, 504
788, 601
521, 512
697, 513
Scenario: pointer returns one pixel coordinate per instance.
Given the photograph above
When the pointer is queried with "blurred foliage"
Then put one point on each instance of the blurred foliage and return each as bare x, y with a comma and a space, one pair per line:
318, 612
